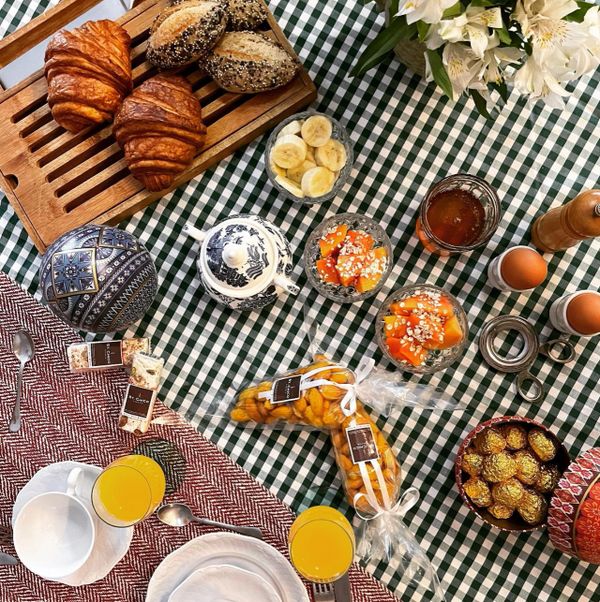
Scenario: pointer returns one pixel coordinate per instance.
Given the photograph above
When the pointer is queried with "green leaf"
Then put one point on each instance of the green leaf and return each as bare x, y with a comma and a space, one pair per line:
439, 73
453, 11
579, 15
397, 30
423, 29
485, 3
394, 7
480, 103
504, 36
502, 89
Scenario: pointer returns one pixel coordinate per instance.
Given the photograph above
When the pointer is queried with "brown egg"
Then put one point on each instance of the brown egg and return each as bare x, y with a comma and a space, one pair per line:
523, 268
583, 313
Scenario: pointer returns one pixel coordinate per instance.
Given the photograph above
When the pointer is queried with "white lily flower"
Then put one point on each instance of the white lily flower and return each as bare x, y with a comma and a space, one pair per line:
428, 11
496, 59
582, 46
463, 67
534, 15
540, 78
473, 26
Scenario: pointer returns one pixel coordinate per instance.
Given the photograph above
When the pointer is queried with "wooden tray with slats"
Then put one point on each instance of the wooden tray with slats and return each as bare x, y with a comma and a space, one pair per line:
57, 181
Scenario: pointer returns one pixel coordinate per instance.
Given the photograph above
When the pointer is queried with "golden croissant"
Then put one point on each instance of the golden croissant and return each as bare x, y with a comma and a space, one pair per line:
88, 71
160, 128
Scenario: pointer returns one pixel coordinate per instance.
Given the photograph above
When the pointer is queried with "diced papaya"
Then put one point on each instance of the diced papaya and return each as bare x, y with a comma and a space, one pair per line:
453, 333
333, 240
349, 268
357, 242
373, 269
399, 310
394, 326
326, 270
407, 351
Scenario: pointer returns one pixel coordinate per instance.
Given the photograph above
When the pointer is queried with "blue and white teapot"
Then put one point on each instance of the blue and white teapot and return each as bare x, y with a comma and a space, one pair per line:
244, 262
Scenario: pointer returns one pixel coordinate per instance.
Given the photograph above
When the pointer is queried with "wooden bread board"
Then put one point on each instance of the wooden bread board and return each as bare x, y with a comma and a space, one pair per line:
57, 181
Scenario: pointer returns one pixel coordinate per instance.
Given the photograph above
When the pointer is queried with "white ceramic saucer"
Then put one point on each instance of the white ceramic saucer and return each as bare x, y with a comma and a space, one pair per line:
217, 549
223, 583
111, 543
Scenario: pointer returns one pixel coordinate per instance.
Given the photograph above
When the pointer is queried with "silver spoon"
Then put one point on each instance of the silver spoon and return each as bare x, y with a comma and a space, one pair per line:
24, 349
179, 515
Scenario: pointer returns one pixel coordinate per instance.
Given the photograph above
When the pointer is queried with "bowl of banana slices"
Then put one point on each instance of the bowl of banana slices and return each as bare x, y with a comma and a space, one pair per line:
309, 157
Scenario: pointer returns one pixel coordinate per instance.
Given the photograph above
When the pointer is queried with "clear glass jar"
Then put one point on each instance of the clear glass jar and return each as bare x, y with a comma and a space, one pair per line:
473, 185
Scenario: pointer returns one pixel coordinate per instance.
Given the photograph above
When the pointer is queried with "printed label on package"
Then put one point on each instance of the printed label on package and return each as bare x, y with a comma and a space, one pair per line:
104, 354
138, 401
286, 389
361, 442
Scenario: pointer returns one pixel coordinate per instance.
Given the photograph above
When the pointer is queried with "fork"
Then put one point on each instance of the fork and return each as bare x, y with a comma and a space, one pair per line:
323, 592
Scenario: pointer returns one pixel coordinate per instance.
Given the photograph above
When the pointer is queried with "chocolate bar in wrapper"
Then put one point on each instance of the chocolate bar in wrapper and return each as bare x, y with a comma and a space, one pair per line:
490, 441
515, 435
498, 467
528, 467
532, 507
479, 492
508, 493
542, 445
105, 355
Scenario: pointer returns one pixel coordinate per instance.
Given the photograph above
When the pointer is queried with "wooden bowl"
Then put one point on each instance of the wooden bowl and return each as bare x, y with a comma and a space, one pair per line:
515, 523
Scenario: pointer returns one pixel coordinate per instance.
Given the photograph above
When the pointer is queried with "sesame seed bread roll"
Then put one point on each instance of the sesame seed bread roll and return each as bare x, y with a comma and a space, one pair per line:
185, 32
248, 62
245, 14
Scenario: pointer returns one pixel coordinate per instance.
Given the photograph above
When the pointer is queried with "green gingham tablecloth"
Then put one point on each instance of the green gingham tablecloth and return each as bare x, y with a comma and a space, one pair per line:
405, 136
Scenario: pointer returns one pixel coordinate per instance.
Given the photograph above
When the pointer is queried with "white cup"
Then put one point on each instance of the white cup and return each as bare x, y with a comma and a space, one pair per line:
54, 533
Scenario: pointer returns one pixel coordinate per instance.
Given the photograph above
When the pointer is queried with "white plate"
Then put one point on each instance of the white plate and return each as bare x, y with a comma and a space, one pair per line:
111, 543
223, 583
247, 553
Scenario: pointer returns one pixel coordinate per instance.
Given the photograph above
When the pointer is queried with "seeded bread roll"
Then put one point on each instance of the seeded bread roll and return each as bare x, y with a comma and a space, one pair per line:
185, 32
248, 62
245, 14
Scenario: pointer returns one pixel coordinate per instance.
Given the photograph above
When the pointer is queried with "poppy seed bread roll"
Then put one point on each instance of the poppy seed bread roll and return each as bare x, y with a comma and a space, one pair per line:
248, 62
185, 32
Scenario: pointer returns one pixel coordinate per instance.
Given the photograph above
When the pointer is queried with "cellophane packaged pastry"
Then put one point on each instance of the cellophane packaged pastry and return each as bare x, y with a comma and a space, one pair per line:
105, 355
140, 396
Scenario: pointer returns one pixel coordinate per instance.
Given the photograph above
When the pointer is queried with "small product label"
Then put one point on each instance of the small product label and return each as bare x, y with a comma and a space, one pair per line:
103, 354
138, 401
361, 442
286, 389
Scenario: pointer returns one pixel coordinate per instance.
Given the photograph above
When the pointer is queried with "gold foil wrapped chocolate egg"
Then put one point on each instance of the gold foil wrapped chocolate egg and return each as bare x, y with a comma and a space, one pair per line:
500, 511
528, 467
547, 479
490, 441
515, 435
472, 462
508, 493
479, 492
542, 445
532, 507
498, 467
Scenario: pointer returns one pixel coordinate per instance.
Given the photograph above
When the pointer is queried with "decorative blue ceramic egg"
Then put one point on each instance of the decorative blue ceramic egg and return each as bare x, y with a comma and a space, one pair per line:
98, 278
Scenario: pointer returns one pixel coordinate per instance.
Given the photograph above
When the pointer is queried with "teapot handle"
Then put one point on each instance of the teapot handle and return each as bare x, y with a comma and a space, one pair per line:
194, 232
286, 284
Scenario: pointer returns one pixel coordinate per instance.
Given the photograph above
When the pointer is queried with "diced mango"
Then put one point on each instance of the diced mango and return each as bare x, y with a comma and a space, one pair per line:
326, 270
423, 303
357, 242
453, 333
332, 241
349, 268
400, 349
372, 271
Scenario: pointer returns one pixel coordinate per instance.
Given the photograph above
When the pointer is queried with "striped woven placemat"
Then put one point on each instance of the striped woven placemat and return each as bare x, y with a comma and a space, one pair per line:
74, 417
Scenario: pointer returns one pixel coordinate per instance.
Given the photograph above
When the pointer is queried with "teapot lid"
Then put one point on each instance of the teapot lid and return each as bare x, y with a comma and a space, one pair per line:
239, 257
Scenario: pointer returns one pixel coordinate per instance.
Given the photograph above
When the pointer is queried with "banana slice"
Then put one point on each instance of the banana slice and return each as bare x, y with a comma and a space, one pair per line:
289, 186
316, 130
288, 151
278, 171
294, 127
296, 173
331, 155
317, 181
310, 154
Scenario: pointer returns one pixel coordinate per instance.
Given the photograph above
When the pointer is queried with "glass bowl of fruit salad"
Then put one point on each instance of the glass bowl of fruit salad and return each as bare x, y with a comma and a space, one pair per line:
422, 328
348, 257
309, 157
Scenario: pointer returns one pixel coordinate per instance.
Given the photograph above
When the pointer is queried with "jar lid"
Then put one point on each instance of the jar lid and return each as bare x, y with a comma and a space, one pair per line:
239, 257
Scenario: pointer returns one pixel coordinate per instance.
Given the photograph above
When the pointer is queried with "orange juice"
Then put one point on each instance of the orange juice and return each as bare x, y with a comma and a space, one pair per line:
321, 544
128, 490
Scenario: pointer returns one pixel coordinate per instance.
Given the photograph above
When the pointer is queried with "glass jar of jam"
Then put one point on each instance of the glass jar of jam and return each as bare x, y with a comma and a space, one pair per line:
458, 214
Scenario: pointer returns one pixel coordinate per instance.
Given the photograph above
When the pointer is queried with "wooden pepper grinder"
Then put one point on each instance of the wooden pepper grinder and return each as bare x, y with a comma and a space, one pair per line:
564, 227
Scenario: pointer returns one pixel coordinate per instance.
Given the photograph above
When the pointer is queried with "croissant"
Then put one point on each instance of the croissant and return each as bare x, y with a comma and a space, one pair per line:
160, 128
88, 70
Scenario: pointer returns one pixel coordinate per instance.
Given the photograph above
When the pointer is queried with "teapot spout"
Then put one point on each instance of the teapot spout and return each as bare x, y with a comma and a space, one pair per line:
286, 284
194, 232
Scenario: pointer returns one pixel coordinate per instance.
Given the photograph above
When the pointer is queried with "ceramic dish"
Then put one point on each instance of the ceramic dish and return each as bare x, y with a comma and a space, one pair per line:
312, 252
515, 523
111, 543
215, 549
339, 133
436, 359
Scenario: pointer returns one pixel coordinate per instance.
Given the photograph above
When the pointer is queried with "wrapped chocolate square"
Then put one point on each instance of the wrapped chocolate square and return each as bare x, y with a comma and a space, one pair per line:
105, 355
140, 396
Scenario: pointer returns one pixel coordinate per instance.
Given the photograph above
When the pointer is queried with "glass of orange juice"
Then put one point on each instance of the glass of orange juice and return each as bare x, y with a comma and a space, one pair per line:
128, 490
322, 543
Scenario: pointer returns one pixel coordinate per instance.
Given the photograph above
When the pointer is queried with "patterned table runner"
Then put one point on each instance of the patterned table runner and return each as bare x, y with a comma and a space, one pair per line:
74, 417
